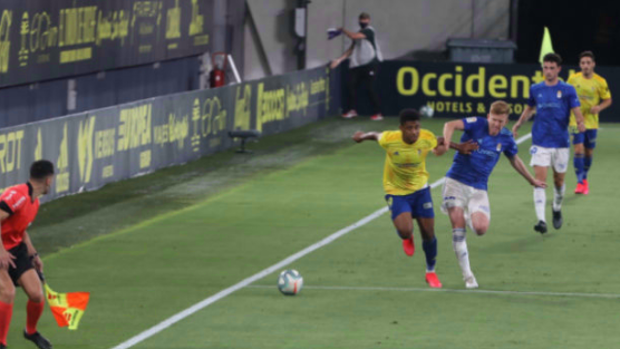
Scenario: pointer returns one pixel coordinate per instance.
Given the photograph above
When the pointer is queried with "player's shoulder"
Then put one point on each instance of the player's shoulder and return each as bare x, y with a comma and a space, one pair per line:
599, 79
506, 133
474, 119
15, 197
391, 136
16, 190
565, 86
426, 134
573, 76
537, 86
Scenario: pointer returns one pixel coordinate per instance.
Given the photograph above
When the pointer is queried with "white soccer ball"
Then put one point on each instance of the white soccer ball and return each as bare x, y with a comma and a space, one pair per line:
290, 282
427, 111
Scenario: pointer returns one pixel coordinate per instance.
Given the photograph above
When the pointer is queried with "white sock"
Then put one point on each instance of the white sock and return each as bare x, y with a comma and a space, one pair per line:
558, 196
460, 249
540, 198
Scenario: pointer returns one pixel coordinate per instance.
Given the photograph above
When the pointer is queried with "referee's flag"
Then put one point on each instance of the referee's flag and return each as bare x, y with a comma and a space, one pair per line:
67, 308
546, 46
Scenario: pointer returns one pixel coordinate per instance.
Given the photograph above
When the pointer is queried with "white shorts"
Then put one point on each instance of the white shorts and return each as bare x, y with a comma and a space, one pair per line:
547, 157
470, 199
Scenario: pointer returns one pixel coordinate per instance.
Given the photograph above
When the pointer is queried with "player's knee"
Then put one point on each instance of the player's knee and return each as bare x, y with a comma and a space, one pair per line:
480, 224
480, 228
405, 233
36, 297
7, 294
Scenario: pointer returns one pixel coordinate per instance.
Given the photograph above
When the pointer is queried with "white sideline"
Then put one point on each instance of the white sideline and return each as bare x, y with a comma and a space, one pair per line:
216, 297
447, 290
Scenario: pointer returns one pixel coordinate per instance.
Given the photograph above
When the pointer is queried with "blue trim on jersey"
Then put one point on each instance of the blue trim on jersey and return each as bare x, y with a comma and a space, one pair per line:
588, 138
475, 169
553, 105
419, 203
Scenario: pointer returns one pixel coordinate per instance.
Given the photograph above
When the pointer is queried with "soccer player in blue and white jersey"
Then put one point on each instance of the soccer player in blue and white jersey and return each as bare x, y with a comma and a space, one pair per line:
465, 197
552, 100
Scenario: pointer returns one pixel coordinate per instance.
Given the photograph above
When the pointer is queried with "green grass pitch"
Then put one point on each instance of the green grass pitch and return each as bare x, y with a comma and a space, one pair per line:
150, 247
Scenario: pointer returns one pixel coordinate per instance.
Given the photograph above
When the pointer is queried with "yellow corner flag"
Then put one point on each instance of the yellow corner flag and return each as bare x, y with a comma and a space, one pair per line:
68, 308
546, 46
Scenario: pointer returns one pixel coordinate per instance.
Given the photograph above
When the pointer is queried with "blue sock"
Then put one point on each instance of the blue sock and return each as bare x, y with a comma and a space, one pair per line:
578, 163
430, 250
587, 162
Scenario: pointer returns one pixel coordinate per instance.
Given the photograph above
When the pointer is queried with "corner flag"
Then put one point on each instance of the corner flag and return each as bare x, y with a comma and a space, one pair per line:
546, 46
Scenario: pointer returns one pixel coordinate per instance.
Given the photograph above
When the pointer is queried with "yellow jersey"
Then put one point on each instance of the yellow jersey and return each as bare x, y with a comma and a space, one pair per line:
590, 92
405, 164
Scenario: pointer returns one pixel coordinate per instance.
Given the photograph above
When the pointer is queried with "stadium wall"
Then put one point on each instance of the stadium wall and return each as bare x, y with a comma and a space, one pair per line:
405, 29
102, 146
457, 90
44, 40
49, 99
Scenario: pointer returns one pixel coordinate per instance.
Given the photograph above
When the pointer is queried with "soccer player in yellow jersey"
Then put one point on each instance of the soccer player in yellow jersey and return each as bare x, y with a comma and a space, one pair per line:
406, 183
594, 97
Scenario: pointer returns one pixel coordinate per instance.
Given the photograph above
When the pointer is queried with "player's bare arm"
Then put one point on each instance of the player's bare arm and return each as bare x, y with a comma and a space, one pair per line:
606, 103
463, 148
525, 116
519, 166
360, 136
581, 126
6, 258
345, 55
36, 260
441, 147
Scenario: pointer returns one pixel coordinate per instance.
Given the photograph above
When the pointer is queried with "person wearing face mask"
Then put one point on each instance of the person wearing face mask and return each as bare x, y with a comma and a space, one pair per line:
365, 56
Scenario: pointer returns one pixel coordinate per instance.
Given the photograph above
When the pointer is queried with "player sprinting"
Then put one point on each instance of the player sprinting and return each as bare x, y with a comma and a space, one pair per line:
552, 100
18, 257
465, 197
405, 181
594, 97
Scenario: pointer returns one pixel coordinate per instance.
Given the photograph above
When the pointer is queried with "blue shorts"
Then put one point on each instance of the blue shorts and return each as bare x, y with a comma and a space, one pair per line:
419, 203
588, 138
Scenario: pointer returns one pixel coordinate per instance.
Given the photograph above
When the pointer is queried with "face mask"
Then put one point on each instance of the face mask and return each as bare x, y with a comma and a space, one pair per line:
363, 25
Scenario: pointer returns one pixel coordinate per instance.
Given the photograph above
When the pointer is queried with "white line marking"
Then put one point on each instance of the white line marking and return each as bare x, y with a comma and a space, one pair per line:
447, 290
276, 267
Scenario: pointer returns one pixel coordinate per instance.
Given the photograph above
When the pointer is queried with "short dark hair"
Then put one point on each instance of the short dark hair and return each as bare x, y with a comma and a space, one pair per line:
364, 15
41, 169
553, 57
587, 54
409, 115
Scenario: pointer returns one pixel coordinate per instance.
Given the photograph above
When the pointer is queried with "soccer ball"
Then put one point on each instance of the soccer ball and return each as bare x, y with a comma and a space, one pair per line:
427, 111
290, 282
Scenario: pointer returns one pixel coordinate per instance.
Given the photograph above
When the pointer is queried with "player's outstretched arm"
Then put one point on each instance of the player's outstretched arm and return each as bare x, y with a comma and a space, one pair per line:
441, 147
581, 126
360, 136
525, 116
518, 165
448, 130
